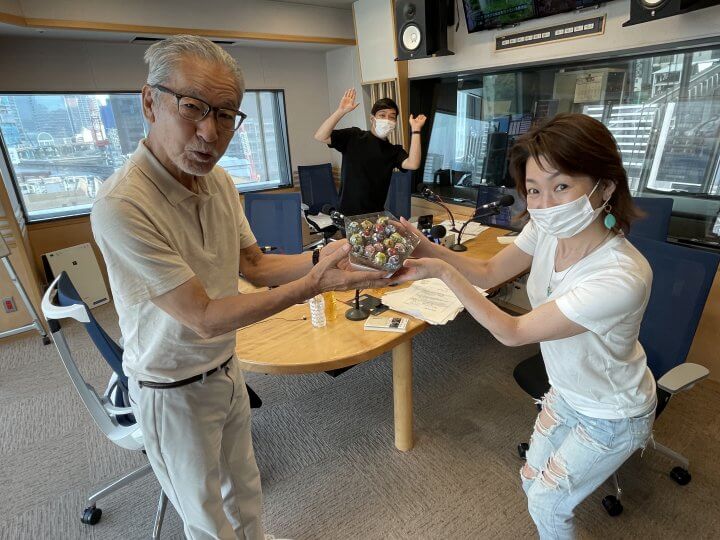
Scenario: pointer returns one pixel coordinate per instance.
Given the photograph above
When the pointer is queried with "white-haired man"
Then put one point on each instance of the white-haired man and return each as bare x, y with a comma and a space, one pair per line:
174, 237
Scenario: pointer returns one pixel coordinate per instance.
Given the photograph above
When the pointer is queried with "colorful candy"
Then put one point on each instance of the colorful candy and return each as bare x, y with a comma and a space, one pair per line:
377, 243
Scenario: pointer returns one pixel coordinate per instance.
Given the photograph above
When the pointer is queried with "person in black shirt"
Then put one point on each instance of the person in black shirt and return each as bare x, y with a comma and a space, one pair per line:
368, 158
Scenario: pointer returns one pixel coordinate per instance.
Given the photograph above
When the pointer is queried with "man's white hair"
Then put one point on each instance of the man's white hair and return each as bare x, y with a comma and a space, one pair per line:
164, 56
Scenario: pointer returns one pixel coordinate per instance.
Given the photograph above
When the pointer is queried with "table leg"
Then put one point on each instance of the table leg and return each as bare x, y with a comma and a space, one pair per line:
402, 395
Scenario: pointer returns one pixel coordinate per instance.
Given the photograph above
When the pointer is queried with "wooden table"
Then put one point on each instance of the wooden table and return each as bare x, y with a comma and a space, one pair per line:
293, 346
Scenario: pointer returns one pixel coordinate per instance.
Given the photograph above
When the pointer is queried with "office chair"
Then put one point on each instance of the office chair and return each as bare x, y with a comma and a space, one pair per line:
111, 411
317, 188
398, 197
275, 220
682, 278
656, 222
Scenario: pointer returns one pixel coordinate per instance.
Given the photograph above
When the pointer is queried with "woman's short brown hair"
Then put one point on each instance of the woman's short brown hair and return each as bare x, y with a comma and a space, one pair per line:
577, 145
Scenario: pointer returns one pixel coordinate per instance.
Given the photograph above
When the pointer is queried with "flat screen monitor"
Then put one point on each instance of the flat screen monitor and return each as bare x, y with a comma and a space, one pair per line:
490, 14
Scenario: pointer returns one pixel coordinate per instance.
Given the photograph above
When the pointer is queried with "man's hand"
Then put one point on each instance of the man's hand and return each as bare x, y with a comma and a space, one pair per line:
331, 248
347, 102
416, 123
329, 274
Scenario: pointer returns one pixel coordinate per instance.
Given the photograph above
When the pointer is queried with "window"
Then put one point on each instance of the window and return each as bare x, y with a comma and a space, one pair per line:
59, 148
662, 109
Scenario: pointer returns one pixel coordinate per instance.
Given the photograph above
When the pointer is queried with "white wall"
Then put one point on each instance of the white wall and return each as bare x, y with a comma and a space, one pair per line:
376, 39
237, 15
343, 72
10, 6
59, 65
477, 51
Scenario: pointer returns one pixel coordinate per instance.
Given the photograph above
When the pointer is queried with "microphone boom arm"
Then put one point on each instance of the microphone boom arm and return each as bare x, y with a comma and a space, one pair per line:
457, 246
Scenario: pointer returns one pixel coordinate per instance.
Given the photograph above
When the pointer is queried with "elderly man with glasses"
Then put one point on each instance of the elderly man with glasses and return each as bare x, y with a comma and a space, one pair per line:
174, 237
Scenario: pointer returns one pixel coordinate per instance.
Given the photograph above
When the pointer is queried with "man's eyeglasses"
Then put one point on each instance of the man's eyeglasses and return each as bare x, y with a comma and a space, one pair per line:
194, 109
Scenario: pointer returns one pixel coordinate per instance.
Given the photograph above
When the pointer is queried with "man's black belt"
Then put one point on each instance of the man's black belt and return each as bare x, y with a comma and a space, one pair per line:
183, 382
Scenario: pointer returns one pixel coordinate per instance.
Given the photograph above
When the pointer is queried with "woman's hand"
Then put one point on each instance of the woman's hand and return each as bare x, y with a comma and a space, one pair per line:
425, 248
415, 269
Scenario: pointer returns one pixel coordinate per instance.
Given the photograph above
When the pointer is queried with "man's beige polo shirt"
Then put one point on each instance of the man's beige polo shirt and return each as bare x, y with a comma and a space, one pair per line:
155, 235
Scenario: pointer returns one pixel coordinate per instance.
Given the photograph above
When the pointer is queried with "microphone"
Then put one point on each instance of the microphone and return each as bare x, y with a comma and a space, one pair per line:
438, 232
505, 200
481, 212
430, 196
334, 214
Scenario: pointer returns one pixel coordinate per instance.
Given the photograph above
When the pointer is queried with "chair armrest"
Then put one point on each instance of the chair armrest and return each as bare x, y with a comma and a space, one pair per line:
52, 311
117, 411
682, 377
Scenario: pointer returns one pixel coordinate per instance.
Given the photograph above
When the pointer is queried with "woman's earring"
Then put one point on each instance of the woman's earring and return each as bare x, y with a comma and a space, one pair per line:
610, 220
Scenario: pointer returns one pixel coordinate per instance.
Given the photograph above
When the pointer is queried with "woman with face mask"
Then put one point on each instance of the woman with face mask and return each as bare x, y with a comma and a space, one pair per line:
368, 157
588, 287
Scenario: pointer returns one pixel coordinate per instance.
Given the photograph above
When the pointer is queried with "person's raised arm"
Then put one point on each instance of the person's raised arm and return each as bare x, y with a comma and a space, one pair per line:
347, 104
412, 162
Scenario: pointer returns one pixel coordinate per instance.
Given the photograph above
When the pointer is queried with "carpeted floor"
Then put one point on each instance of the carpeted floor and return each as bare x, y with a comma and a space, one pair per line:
326, 454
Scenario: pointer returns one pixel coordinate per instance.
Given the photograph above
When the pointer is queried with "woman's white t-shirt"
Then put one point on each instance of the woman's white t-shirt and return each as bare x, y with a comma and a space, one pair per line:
601, 373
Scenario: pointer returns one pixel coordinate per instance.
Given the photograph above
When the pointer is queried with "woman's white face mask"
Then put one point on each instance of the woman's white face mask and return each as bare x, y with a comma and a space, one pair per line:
569, 219
383, 127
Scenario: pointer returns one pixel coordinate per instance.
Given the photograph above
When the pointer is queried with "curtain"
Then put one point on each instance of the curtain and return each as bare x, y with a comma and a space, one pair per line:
388, 89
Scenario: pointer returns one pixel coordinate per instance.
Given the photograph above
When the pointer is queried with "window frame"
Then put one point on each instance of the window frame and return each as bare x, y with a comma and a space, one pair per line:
586, 61
7, 169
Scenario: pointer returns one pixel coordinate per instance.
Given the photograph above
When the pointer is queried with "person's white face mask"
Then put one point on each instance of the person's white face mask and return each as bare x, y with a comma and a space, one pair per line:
383, 127
569, 219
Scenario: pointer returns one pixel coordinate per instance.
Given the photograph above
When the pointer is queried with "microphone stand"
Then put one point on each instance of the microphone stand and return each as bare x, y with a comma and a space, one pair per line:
356, 313
457, 246
435, 200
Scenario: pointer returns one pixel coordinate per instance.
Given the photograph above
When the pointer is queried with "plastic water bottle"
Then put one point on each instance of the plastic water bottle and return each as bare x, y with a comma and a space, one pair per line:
317, 311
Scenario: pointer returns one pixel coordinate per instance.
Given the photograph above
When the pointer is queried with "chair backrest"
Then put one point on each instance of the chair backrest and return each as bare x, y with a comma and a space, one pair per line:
275, 220
67, 296
656, 222
120, 427
682, 278
398, 200
317, 186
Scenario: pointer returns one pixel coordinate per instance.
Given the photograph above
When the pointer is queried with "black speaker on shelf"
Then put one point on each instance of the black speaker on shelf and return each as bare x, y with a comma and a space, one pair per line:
642, 11
421, 28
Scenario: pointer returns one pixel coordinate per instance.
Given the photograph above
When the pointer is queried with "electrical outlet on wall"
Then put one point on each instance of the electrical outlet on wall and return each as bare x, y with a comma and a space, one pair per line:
9, 304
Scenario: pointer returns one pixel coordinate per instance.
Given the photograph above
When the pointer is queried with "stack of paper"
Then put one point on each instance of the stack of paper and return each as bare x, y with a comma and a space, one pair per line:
428, 299
470, 232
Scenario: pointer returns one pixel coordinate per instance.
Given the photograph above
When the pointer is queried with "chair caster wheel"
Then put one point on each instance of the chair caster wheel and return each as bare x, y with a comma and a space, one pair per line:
680, 475
46, 340
91, 515
612, 506
522, 449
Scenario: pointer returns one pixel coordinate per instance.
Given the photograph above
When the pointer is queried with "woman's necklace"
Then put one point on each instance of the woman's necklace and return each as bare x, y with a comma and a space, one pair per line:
567, 270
